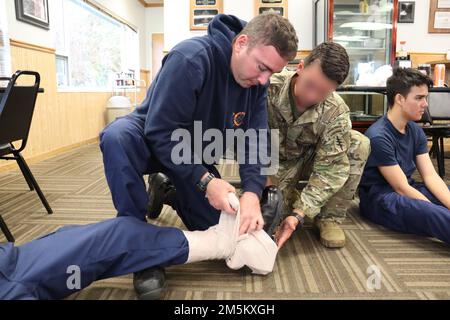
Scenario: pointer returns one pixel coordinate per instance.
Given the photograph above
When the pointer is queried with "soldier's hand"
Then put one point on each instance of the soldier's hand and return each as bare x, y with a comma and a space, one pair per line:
217, 193
251, 217
285, 230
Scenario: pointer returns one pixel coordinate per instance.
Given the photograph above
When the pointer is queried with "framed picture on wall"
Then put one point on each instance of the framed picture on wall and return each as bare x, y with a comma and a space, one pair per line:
439, 18
203, 11
406, 11
34, 12
271, 6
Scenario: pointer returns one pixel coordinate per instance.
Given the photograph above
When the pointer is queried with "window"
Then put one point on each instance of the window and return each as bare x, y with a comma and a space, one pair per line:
92, 47
5, 50
62, 71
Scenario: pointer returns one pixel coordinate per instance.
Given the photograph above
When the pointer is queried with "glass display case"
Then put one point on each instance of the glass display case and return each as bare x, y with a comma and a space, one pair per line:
367, 29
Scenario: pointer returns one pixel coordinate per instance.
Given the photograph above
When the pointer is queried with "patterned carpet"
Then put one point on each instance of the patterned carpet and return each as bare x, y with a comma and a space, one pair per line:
411, 267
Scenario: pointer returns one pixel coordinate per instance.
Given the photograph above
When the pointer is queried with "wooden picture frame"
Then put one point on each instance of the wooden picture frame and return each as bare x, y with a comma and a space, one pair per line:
202, 12
275, 6
439, 18
34, 12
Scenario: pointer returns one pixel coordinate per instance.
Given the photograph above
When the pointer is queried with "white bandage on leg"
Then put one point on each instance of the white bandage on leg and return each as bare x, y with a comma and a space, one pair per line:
219, 241
256, 250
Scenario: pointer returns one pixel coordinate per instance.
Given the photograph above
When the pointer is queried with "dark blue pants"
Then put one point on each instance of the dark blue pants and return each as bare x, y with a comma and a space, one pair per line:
382, 205
42, 268
127, 158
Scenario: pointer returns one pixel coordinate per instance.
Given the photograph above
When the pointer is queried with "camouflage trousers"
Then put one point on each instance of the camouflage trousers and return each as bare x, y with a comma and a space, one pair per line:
292, 180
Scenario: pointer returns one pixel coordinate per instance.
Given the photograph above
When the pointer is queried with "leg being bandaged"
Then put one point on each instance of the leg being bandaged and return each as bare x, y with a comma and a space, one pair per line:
216, 243
255, 250
222, 241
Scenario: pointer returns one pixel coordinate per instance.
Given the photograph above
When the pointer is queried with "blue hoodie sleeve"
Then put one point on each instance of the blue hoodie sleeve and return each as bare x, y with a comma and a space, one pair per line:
172, 107
252, 179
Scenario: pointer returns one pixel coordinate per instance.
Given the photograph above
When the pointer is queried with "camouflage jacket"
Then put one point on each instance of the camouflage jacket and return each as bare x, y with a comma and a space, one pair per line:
313, 148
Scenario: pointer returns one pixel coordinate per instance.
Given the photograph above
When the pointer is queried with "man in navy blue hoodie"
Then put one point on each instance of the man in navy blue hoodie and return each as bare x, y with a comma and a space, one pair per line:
220, 81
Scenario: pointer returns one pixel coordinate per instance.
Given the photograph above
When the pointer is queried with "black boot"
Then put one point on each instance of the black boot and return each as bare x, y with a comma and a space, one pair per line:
150, 284
271, 208
160, 191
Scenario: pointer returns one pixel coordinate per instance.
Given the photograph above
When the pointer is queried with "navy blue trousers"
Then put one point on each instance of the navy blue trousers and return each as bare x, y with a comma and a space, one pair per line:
382, 205
47, 268
127, 158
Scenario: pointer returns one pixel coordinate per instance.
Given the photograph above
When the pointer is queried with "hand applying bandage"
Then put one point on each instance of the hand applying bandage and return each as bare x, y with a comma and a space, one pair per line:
255, 250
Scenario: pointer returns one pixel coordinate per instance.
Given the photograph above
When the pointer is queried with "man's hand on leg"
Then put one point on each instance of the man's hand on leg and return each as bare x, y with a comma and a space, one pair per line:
251, 217
285, 230
217, 194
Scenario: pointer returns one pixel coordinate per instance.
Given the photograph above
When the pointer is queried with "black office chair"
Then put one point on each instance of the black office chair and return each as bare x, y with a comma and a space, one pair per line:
16, 112
438, 109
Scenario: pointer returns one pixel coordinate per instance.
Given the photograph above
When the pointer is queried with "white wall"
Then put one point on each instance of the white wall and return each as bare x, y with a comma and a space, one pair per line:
173, 20
176, 24
154, 23
300, 14
176, 19
129, 10
416, 34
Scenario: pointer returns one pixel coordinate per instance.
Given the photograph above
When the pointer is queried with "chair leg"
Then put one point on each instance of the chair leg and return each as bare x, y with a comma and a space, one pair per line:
6, 231
442, 154
25, 175
35, 184
437, 152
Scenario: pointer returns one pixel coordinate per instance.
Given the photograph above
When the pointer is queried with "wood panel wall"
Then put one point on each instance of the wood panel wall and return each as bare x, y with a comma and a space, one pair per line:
62, 120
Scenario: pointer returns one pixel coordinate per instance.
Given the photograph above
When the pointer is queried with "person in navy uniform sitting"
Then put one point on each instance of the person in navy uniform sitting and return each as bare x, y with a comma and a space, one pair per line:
388, 194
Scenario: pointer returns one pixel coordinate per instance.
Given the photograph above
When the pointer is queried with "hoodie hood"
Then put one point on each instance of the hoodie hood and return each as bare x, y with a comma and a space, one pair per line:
223, 29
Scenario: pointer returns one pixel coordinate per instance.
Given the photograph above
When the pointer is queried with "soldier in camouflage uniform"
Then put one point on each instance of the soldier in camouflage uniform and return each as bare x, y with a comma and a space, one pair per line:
321, 158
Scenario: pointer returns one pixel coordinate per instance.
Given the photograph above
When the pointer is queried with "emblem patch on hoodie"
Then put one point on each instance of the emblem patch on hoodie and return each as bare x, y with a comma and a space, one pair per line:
238, 118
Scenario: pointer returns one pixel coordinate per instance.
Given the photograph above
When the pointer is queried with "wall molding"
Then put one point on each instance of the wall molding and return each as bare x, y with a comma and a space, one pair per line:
110, 13
26, 45
151, 5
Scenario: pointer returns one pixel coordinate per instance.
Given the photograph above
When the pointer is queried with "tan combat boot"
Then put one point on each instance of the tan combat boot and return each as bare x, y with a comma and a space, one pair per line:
331, 234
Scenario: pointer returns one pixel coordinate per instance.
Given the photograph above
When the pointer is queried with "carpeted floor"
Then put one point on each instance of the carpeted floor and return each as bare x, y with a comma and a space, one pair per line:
411, 267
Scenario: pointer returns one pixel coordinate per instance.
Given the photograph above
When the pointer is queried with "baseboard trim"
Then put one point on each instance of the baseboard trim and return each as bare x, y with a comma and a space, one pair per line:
47, 155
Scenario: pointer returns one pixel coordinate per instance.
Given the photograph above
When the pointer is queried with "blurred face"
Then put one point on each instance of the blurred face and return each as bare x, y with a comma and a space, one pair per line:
312, 86
414, 104
254, 66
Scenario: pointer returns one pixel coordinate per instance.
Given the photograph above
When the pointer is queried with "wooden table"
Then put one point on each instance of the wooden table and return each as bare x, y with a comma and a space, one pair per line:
40, 90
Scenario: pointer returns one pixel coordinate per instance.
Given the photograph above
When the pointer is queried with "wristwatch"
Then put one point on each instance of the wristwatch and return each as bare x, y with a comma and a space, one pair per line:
203, 183
301, 220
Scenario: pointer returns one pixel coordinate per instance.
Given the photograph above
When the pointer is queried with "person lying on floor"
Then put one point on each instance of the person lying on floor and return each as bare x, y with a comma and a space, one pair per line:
388, 194
46, 268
